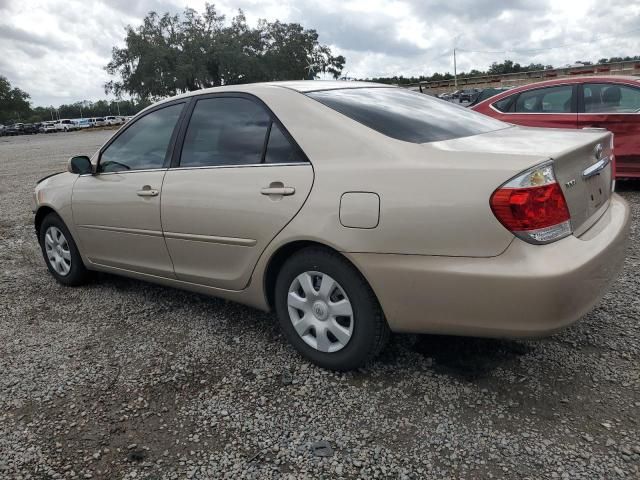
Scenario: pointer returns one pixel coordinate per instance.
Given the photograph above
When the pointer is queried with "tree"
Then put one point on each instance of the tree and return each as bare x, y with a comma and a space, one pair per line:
14, 103
170, 54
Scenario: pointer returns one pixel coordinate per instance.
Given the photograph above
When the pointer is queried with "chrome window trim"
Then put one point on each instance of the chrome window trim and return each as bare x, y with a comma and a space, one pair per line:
204, 167
125, 171
531, 113
608, 113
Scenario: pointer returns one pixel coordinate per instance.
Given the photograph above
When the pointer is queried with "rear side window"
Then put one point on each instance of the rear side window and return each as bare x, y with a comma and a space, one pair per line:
546, 100
280, 149
611, 98
235, 131
225, 131
406, 115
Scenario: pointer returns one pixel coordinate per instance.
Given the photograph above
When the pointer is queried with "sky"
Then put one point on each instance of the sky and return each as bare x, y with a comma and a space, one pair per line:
56, 50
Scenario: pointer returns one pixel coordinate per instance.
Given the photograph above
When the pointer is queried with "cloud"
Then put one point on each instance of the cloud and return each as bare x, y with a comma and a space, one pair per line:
57, 49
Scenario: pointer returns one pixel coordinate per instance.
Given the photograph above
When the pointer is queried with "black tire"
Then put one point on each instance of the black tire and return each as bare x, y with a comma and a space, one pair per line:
370, 329
78, 274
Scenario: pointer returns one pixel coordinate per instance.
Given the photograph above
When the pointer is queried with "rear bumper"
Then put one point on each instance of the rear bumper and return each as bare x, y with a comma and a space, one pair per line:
528, 291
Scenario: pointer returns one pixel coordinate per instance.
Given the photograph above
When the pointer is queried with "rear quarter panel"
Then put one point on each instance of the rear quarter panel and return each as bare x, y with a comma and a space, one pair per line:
433, 201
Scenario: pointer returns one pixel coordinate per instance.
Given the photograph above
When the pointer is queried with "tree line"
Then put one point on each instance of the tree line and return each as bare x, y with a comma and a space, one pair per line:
15, 106
169, 54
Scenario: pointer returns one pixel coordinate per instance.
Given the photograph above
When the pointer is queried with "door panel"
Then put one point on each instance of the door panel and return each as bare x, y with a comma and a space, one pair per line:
117, 210
626, 130
119, 228
615, 108
548, 120
217, 221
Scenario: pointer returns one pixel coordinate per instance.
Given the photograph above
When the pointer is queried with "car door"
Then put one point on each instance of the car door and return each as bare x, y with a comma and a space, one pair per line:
616, 107
239, 180
553, 106
117, 210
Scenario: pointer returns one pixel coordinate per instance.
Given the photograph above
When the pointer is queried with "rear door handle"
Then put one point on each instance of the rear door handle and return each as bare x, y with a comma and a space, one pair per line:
278, 191
595, 127
147, 191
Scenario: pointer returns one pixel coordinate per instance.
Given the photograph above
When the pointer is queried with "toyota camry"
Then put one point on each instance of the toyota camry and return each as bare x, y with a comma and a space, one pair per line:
350, 209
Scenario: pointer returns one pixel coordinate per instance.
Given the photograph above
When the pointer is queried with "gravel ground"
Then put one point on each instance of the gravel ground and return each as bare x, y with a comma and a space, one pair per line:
122, 379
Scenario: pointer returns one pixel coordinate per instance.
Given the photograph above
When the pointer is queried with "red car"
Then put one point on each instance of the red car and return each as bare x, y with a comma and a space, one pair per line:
606, 102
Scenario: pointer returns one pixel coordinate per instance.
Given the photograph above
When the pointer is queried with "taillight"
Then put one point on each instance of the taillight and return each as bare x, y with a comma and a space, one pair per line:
532, 206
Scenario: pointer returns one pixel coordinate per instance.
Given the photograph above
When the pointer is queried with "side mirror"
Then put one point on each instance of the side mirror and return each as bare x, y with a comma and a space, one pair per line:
80, 165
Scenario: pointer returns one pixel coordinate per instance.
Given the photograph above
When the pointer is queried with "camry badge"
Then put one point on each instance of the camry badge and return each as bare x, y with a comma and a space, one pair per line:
570, 183
597, 151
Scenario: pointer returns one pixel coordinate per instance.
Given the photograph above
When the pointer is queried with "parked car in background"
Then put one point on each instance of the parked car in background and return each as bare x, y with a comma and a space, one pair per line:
48, 127
352, 209
487, 93
469, 94
15, 129
597, 102
82, 123
66, 125
2, 130
29, 129
113, 120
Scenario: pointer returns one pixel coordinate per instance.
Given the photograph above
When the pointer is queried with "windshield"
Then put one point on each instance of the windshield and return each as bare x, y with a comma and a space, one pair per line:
407, 115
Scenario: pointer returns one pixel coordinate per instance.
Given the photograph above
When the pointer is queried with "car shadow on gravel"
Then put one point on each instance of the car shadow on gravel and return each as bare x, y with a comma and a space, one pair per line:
469, 358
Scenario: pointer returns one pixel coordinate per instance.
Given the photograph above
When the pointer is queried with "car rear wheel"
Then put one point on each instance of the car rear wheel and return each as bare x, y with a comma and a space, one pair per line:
327, 310
61, 253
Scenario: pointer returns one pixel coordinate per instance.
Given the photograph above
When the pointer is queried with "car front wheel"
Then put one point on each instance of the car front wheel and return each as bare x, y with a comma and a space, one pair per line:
61, 253
328, 311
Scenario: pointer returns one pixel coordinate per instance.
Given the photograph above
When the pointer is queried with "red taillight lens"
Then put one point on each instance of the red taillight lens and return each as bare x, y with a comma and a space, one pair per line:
530, 208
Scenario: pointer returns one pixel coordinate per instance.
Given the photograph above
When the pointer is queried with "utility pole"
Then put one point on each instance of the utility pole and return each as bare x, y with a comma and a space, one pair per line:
455, 70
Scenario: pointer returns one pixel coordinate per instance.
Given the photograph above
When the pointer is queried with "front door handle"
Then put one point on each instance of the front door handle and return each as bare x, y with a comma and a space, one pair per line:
278, 191
147, 191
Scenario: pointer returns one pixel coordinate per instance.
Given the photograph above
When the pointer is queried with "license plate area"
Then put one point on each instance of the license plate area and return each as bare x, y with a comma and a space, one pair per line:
598, 189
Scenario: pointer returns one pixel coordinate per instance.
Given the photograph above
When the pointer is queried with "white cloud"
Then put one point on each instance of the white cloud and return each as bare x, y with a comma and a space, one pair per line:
57, 49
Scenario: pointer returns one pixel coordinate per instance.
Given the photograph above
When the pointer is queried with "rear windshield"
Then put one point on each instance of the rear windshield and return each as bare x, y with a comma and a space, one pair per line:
406, 115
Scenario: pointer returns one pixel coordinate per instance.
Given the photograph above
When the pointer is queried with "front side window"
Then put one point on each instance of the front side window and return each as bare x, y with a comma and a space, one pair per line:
144, 144
406, 115
546, 100
225, 131
610, 98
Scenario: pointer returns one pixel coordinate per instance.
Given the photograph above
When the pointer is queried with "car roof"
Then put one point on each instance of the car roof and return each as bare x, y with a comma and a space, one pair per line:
301, 86
562, 81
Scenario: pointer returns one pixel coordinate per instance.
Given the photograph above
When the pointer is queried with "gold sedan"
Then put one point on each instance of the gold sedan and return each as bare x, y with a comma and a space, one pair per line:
351, 209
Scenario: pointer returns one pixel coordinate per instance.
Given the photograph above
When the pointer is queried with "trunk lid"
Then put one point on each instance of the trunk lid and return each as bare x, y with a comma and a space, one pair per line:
585, 175
573, 153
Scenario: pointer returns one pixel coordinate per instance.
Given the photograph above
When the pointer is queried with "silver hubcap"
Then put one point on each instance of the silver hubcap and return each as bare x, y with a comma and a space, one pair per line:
57, 249
320, 311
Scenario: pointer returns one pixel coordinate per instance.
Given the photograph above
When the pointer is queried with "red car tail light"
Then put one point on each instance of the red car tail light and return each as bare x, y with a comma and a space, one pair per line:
532, 206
